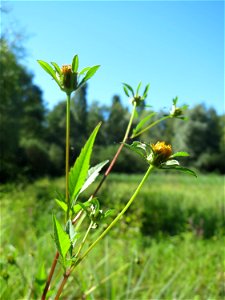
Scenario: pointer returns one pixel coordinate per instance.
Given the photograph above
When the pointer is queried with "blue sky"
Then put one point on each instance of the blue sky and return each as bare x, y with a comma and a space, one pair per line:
176, 46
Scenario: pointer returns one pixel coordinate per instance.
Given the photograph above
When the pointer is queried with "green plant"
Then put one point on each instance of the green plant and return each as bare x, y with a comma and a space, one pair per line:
71, 247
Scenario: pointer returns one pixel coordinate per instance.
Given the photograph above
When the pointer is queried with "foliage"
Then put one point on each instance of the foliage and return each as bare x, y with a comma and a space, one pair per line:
170, 256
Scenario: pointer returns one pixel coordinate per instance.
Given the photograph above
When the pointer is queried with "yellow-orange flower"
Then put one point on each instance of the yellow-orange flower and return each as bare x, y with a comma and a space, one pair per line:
162, 152
66, 69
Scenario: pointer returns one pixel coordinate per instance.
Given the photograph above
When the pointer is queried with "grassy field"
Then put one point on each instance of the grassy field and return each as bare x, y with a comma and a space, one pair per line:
168, 246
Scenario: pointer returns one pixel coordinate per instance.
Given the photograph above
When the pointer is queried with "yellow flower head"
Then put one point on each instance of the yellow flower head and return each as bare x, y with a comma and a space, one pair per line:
66, 69
162, 152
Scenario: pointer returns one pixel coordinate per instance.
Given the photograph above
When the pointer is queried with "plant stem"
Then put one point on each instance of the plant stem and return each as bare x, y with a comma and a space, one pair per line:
69, 271
150, 126
43, 297
118, 151
84, 239
120, 214
103, 178
67, 154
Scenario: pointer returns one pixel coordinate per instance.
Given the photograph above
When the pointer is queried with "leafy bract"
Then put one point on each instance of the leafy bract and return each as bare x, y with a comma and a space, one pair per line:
178, 168
129, 88
75, 63
79, 171
143, 122
93, 174
48, 68
61, 238
182, 153
91, 71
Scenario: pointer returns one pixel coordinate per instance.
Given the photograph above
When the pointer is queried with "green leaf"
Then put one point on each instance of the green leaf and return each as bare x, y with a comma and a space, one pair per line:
138, 147
79, 171
129, 88
126, 91
61, 204
41, 276
61, 238
71, 232
171, 162
143, 122
84, 70
57, 68
48, 68
138, 88
182, 153
79, 205
145, 94
93, 174
180, 168
75, 64
89, 74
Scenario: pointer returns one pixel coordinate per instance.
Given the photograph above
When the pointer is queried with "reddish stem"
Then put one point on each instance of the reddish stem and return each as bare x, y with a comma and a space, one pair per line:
50, 276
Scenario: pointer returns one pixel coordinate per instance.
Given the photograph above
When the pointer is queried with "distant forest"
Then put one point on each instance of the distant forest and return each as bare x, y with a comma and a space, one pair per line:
32, 139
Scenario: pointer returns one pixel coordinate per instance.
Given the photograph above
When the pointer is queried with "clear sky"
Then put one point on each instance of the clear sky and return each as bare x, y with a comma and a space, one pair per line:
176, 46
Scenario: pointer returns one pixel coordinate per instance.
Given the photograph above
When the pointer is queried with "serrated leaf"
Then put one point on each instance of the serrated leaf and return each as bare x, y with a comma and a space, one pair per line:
48, 68
181, 153
180, 168
129, 88
61, 204
93, 174
126, 91
143, 122
138, 88
61, 238
79, 171
75, 64
57, 68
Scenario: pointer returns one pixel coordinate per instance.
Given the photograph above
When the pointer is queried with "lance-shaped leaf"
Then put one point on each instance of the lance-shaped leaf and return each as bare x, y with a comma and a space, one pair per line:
57, 68
143, 122
89, 74
179, 154
126, 91
61, 204
145, 94
93, 174
129, 88
61, 238
138, 88
84, 70
75, 63
79, 171
48, 68
178, 168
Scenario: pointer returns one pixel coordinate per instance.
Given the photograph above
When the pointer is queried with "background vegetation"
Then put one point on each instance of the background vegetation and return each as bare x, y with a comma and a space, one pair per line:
168, 246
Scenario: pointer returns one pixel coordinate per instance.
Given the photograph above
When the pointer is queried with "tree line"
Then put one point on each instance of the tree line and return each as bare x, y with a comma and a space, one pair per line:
32, 139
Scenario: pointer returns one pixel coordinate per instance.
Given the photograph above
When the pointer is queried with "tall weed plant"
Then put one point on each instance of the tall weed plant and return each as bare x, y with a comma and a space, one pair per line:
76, 236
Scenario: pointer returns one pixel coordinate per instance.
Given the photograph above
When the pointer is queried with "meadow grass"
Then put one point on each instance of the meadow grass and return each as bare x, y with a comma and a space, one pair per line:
134, 262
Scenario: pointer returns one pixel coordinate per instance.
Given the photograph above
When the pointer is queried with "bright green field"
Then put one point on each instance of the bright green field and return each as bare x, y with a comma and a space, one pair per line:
170, 244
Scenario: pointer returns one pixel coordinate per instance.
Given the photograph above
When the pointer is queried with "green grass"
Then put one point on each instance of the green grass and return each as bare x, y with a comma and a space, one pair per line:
159, 250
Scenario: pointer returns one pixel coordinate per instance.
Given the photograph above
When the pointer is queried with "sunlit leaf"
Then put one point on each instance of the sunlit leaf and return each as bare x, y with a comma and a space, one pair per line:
179, 154
79, 171
145, 94
129, 88
61, 238
138, 88
126, 91
143, 122
48, 68
89, 74
93, 174
75, 64
57, 68
61, 204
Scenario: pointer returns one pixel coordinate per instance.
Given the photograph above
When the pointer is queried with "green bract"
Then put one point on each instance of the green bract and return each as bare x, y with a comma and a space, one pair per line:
135, 97
68, 78
159, 155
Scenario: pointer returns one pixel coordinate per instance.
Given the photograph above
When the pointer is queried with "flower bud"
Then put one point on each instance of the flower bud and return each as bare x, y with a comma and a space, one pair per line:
69, 78
161, 153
